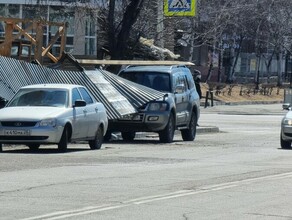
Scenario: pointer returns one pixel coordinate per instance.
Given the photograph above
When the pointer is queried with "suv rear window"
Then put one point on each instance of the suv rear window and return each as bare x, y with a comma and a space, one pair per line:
154, 80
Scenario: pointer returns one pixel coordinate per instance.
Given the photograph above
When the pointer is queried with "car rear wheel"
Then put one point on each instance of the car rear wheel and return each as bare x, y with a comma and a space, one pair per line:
97, 142
1, 148
166, 135
285, 144
128, 136
33, 147
62, 145
190, 133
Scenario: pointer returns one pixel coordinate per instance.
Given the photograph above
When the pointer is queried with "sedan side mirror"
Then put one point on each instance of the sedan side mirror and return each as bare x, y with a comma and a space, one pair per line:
286, 106
3, 102
79, 103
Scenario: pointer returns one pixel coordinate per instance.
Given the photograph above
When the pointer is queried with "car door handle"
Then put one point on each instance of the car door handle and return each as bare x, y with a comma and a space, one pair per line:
96, 109
84, 110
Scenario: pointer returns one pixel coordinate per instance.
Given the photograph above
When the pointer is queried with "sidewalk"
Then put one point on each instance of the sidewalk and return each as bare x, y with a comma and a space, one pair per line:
249, 109
241, 109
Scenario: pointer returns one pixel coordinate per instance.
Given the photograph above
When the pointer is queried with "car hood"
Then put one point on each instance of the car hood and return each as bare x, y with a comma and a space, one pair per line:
29, 113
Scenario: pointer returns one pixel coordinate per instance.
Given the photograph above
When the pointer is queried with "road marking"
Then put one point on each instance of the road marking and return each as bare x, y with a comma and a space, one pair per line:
158, 197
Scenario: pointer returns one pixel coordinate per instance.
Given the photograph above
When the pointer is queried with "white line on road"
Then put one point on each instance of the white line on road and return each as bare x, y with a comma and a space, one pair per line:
159, 197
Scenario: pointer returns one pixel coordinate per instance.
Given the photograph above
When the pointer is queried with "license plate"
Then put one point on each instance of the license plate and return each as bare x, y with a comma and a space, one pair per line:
17, 132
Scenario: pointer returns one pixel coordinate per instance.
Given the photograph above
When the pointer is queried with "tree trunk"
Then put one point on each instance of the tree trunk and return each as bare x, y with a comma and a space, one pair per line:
129, 18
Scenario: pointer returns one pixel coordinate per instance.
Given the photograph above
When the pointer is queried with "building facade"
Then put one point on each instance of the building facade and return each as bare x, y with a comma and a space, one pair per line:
81, 24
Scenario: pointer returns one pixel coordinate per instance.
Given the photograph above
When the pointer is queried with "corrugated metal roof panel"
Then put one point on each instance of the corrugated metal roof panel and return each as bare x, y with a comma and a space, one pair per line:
137, 94
119, 96
119, 102
14, 74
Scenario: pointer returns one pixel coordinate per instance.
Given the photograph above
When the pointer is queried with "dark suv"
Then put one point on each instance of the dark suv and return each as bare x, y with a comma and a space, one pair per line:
177, 110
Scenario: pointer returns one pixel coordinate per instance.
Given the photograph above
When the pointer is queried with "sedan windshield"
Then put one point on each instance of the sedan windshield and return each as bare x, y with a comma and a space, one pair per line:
40, 97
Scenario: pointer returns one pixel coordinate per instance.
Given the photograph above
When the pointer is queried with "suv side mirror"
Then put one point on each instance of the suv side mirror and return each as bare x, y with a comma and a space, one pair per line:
179, 88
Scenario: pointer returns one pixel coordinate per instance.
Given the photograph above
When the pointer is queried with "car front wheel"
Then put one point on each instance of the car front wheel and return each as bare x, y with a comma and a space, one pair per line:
285, 144
1, 148
62, 146
190, 133
166, 135
97, 142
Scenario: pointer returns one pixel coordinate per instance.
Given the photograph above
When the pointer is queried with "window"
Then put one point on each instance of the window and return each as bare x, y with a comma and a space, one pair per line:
75, 96
13, 11
90, 44
62, 14
181, 81
86, 96
32, 11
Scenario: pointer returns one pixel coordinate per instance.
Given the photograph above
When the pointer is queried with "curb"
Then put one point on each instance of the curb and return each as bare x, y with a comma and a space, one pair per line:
207, 129
216, 103
200, 130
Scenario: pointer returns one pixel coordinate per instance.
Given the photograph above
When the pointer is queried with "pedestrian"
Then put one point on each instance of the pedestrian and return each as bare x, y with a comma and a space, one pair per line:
197, 78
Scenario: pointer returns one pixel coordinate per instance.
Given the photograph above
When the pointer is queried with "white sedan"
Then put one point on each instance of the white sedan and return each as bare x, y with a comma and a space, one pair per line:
53, 114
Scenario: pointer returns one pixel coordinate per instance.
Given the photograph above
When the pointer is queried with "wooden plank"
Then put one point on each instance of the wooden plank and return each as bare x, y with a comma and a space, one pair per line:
28, 36
134, 62
54, 40
8, 39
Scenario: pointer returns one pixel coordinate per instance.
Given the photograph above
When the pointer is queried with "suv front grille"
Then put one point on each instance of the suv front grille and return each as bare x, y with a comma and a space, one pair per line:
18, 123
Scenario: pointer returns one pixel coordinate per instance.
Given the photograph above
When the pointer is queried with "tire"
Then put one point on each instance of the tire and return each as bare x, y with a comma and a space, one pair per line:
285, 144
33, 147
97, 142
1, 149
128, 136
190, 133
63, 144
167, 134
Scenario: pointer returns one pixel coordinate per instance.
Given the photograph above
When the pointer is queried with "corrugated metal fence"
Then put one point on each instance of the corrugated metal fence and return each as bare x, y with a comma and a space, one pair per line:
119, 96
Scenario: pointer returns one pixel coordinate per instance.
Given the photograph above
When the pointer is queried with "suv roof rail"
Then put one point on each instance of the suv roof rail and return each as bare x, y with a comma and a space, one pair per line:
178, 66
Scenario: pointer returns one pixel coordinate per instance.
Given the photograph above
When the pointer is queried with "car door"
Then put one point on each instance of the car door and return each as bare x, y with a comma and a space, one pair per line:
79, 121
181, 98
91, 113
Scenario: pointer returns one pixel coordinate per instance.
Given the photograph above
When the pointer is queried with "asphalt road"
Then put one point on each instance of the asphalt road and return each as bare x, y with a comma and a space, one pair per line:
239, 172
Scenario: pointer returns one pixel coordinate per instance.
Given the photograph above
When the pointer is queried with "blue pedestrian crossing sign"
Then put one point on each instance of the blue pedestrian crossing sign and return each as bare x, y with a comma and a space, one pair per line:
179, 7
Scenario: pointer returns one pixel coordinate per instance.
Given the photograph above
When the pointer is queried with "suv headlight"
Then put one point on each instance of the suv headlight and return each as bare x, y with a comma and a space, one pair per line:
48, 122
157, 106
287, 121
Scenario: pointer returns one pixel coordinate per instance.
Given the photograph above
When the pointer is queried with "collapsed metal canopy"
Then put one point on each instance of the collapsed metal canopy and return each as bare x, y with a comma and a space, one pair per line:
119, 96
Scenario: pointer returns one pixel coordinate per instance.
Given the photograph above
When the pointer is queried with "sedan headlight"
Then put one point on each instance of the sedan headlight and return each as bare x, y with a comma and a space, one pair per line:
287, 121
157, 106
48, 122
